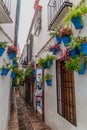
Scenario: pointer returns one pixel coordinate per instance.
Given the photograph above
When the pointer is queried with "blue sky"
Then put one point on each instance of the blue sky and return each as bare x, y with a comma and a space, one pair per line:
26, 14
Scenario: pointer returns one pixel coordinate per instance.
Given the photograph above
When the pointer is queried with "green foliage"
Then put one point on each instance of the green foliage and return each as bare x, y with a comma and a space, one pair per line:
3, 44
50, 58
28, 72
19, 79
42, 61
73, 64
55, 32
75, 11
47, 76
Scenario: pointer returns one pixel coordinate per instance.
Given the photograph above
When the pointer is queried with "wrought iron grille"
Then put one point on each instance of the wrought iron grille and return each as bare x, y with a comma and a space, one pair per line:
66, 93
55, 7
7, 5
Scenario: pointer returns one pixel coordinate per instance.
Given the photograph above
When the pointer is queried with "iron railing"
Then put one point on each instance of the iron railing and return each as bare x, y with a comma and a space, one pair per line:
53, 8
7, 5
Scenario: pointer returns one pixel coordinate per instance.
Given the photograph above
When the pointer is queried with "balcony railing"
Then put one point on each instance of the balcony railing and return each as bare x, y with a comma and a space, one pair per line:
7, 5
55, 8
5, 10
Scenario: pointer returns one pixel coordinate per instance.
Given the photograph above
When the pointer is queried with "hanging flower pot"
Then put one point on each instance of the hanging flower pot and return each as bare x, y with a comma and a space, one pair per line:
83, 68
83, 48
77, 22
54, 51
49, 63
12, 55
58, 39
13, 75
2, 51
33, 72
66, 40
12, 51
49, 82
15, 63
73, 52
4, 71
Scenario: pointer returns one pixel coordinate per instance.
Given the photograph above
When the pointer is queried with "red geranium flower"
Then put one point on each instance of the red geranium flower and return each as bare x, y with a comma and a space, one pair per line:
12, 49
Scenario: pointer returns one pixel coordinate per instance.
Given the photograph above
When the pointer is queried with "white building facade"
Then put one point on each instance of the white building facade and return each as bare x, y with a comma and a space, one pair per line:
8, 11
71, 116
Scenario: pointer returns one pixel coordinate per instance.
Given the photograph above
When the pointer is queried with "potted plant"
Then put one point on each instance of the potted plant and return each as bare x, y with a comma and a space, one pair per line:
78, 64
42, 62
19, 78
12, 51
28, 72
48, 79
75, 15
54, 48
65, 34
15, 63
55, 34
5, 69
3, 45
82, 42
49, 60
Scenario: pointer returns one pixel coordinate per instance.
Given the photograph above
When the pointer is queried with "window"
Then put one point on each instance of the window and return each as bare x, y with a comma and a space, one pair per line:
65, 93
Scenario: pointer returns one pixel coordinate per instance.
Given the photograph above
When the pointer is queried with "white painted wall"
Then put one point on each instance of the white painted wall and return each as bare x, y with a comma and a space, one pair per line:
5, 81
52, 118
9, 28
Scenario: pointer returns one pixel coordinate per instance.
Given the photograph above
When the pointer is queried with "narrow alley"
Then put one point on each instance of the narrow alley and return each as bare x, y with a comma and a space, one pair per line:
23, 117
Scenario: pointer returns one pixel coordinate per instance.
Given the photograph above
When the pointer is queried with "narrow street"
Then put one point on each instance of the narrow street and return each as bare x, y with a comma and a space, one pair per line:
27, 120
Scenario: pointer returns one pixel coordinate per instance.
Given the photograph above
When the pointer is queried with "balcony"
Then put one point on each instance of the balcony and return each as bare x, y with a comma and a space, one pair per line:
56, 11
5, 10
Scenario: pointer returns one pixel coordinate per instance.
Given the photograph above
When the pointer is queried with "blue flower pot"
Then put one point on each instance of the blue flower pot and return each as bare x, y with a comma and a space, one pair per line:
66, 40
13, 75
73, 52
12, 55
83, 68
2, 51
15, 63
54, 51
83, 49
49, 82
58, 39
5, 72
49, 63
77, 22
33, 72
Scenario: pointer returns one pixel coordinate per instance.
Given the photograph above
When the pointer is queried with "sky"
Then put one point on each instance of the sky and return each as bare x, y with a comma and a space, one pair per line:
26, 14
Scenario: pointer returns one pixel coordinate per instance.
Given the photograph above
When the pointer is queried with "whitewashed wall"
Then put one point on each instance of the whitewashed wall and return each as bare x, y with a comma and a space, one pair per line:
5, 81
52, 118
10, 28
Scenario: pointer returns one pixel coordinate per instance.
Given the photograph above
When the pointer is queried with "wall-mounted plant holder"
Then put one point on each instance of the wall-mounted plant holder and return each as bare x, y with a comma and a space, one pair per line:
73, 53
77, 22
66, 40
58, 39
83, 68
13, 75
54, 51
49, 82
2, 51
4, 71
83, 48
12, 55
15, 63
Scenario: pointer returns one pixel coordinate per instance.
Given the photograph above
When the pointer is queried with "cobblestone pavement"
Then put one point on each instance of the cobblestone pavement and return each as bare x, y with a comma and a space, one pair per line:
27, 119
